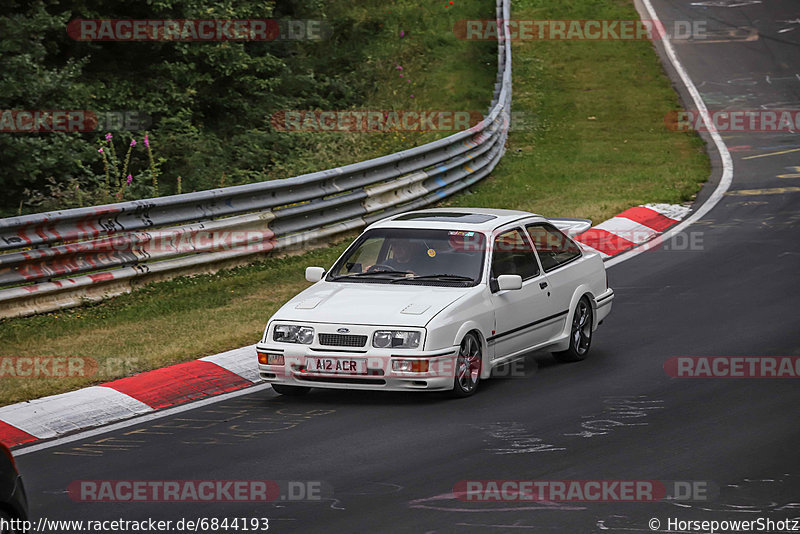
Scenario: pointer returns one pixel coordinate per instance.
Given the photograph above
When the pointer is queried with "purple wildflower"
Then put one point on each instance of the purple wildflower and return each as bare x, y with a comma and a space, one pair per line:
133, 142
130, 179
109, 137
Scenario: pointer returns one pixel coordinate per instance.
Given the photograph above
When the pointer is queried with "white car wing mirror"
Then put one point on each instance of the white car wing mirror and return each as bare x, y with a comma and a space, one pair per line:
509, 282
314, 274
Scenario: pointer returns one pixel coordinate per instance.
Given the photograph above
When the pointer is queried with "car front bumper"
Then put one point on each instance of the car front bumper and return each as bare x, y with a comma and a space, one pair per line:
379, 373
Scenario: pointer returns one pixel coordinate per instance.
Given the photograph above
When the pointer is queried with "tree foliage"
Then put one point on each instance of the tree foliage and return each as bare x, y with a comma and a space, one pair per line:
210, 102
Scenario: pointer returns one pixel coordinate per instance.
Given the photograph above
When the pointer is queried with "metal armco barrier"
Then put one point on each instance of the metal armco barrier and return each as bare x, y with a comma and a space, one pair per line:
60, 259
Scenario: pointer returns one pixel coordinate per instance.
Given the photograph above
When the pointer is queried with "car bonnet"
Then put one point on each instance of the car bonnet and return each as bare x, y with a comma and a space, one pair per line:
370, 303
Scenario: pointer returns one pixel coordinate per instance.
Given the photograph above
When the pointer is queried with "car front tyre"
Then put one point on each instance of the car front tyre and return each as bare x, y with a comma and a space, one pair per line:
468, 366
580, 336
292, 391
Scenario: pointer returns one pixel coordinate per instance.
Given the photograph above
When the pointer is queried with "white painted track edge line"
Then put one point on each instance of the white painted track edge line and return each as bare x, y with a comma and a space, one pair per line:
727, 162
137, 420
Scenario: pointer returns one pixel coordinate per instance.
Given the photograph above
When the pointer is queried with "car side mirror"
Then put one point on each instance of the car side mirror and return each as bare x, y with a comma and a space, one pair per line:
314, 274
507, 282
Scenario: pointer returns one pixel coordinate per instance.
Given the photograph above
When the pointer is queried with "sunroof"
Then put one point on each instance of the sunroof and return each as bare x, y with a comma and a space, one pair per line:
446, 216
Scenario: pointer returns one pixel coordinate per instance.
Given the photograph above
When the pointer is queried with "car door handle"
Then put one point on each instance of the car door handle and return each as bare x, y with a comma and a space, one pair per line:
542, 285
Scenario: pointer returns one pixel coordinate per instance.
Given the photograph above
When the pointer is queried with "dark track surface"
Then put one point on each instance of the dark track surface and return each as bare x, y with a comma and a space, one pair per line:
387, 456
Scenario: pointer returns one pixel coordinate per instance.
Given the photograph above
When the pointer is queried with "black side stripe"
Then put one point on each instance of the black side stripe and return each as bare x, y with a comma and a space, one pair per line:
604, 298
523, 327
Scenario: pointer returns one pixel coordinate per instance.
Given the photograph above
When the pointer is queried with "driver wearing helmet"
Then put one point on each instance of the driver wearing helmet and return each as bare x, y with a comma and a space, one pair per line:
402, 256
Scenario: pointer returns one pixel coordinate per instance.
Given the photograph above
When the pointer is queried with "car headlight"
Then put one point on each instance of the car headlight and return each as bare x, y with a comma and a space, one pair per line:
290, 333
395, 339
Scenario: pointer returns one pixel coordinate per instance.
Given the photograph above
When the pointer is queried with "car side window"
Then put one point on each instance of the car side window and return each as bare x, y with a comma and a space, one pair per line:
512, 254
553, 247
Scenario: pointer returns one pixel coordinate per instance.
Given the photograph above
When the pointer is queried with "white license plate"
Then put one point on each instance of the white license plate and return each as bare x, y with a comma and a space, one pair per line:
351, 366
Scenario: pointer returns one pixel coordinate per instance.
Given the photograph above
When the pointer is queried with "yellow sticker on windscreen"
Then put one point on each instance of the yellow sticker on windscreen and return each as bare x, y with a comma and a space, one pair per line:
431, 252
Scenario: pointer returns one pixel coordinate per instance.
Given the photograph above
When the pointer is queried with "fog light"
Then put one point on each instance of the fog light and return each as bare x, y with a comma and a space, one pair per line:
410, 366
265, 358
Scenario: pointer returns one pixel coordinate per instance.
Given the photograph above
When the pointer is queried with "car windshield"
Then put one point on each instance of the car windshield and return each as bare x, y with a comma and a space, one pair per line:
413, 256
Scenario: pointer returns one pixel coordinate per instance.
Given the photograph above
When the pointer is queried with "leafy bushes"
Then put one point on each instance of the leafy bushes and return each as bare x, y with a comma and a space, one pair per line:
210, 102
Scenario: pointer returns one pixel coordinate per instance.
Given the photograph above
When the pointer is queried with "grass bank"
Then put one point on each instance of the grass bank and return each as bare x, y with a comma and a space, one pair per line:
589, 136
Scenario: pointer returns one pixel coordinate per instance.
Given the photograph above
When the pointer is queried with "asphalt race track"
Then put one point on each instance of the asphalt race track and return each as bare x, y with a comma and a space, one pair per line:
391, 461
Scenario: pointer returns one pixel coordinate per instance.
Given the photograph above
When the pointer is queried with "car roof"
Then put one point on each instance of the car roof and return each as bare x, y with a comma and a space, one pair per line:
480, 219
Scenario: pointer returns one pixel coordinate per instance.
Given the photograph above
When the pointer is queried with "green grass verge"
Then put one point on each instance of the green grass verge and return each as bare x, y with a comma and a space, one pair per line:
590, 140
592, 143
428, 68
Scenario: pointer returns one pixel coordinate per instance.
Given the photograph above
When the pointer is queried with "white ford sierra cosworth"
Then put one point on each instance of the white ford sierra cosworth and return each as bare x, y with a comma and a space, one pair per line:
434, 300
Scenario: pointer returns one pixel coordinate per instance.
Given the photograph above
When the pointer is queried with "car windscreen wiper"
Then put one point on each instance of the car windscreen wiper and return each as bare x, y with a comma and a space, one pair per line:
373, 273
447, 277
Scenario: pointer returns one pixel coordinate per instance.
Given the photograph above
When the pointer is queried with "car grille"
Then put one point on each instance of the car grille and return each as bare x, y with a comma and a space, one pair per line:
342, 340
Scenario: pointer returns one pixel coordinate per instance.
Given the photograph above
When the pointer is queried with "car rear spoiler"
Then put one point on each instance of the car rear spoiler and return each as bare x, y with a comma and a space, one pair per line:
571, 227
